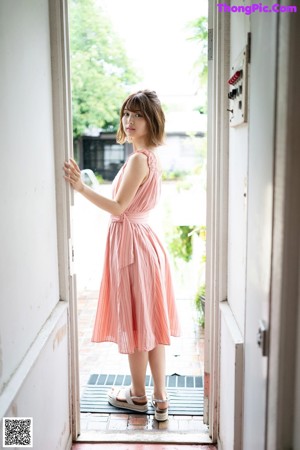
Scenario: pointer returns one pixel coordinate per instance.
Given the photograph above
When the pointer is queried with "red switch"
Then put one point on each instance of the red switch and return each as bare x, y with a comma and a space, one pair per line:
235, 78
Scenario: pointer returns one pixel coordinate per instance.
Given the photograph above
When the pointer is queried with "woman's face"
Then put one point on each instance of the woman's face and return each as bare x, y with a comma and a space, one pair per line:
135, 126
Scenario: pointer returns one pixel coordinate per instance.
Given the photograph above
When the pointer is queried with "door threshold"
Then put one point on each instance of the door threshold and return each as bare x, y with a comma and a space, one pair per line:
188, 434
143, 428
147, 436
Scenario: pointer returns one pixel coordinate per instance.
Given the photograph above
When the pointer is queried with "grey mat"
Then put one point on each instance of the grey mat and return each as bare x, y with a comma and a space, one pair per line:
185, 394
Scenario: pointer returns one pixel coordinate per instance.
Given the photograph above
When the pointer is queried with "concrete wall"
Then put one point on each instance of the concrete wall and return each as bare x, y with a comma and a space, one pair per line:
33, 322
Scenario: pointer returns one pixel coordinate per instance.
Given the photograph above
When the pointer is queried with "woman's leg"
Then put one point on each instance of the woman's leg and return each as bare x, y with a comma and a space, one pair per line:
157, 361
138, 362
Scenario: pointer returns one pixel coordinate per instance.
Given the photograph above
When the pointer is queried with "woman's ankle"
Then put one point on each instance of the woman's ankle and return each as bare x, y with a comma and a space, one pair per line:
140, 393
161, 400
160, 395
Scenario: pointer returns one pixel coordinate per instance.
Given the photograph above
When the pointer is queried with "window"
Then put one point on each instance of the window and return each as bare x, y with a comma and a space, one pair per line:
102, 155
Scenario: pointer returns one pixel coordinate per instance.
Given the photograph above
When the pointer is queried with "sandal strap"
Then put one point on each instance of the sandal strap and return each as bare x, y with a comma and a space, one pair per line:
156, 400
130, 398
139, 398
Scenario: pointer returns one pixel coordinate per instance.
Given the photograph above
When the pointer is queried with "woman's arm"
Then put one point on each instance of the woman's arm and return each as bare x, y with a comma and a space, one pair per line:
135, 173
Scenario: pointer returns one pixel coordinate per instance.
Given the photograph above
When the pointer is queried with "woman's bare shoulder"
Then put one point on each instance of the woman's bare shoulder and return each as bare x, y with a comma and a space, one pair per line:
138, 156
137, 162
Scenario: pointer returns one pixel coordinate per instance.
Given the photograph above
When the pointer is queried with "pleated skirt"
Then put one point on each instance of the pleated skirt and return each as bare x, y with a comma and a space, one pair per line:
136, 307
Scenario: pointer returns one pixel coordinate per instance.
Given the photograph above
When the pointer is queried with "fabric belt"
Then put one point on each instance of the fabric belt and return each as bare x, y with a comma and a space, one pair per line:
125, 249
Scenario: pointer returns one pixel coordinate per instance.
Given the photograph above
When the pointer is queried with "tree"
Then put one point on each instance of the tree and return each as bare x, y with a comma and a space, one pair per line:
101, 72
200, 35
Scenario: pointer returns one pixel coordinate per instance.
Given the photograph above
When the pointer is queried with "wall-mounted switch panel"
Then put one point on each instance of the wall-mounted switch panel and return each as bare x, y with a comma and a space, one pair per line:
238, 90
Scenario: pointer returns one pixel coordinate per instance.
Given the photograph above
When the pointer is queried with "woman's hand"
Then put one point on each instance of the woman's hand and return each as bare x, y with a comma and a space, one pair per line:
135, 173
73, 175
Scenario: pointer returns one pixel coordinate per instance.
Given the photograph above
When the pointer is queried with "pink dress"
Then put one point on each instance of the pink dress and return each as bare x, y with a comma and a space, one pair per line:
136, 306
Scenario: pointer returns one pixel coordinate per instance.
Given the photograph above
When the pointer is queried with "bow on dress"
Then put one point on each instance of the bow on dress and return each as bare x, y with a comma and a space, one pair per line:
125, 249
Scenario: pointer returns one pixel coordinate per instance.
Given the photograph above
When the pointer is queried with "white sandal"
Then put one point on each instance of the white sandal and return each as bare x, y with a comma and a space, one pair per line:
160, 414
129, 402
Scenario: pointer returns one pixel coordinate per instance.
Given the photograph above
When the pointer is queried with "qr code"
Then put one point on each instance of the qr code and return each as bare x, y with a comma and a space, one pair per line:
17, 432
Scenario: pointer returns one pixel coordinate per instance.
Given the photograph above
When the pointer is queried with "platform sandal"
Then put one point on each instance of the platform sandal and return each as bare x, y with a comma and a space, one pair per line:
129, 402
160, 414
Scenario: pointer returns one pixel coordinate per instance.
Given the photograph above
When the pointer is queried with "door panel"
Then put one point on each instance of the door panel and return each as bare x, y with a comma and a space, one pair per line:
63, 147
260, 216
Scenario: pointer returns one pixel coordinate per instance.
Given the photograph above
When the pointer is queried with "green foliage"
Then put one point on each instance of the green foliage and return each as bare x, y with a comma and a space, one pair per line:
184, 185
180, 242
172, 175
199, 33
200, 294
201, 231
99, 178
100, 70
200, 304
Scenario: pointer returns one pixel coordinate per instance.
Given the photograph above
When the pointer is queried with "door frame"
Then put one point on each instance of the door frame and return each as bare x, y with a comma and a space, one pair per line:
217, 206
217, 196
285, 283
63, 149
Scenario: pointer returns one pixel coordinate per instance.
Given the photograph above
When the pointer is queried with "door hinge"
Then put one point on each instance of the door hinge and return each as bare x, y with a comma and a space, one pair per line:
210, 44
71, 257
262, 338
248, 48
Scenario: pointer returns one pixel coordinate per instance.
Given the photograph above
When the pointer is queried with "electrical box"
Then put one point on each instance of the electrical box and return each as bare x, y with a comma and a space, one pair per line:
238, 89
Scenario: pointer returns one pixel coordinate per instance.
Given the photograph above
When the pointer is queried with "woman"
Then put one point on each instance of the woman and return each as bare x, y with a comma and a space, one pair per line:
136, 306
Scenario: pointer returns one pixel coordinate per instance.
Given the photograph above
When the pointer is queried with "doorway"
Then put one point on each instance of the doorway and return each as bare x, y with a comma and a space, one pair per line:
102, 366
99, 363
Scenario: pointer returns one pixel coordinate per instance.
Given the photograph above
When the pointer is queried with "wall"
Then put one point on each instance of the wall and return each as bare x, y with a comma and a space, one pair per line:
238, 179
39, 385
29, 287
31, 313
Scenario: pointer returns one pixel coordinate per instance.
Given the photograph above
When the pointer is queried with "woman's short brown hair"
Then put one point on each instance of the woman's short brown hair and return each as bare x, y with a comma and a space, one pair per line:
148, 103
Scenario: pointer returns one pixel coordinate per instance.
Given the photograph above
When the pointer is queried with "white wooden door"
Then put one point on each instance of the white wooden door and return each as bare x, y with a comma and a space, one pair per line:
63, 143
262, 96
249, 234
